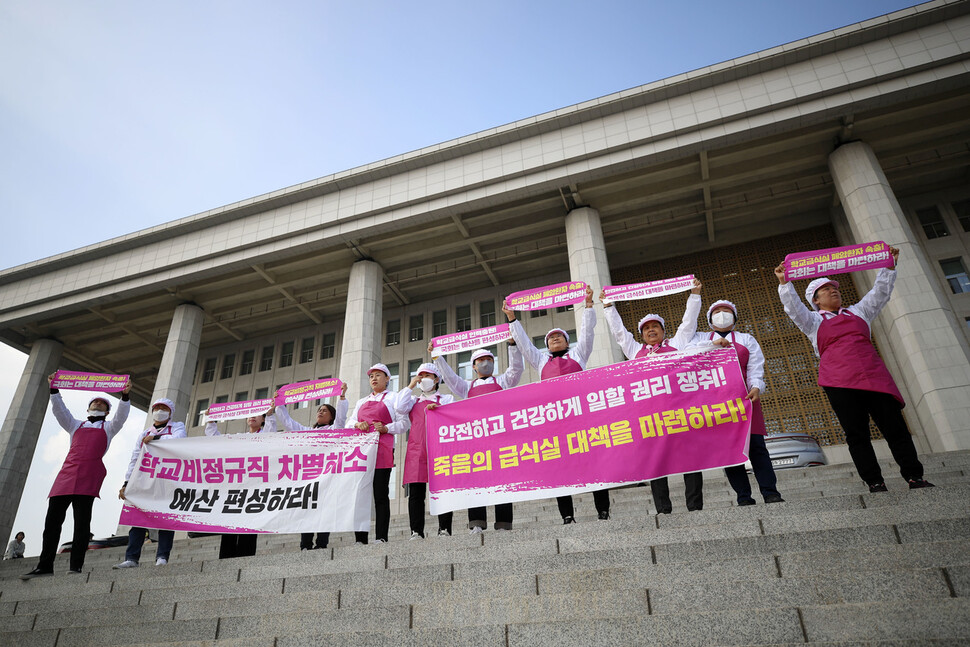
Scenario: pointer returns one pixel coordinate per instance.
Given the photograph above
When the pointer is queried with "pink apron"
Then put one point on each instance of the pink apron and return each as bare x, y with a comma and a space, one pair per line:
848, 360
557, 366
662, 347
757, 416
416, 457
376, 411
83, 471
483, 389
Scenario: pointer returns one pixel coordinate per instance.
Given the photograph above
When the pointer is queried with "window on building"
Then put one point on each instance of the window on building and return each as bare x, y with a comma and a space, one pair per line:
393, 336
413, 365
246, 366
306, 350
261, 394
393, 384
564, 309
486, 312
209, 370
222, 399
228, 365
241, 396
931, 220
967, 319
266, 359
416, 328
463, 318
439, 323
962, 209
329, 343
200, 408
956, 275
464, 368
286, 354
535, 314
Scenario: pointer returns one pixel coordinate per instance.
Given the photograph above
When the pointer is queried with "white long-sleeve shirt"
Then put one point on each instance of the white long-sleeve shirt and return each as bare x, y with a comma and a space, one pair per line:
170, 431
289, 424
756, 358
868, 308
70, 424
537, 359
269, 427
399, 422
406, 399
629, 344
506, 380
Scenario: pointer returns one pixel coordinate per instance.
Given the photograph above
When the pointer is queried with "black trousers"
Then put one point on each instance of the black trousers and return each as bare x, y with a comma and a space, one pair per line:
56, 511
478, 517
237, 546
382, 506
694, 494
306, 540
416, 494
764, 473
853, 407
601, 499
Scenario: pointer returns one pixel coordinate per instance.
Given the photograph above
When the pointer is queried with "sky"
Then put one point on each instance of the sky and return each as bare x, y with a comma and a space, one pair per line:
119, 116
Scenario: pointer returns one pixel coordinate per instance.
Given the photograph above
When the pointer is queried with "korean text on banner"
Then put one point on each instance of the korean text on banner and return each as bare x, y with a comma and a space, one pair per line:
837, 260
649, 289
240, 483
312, 390
551, 296
625, 423
237, 410
89, 381
470, 339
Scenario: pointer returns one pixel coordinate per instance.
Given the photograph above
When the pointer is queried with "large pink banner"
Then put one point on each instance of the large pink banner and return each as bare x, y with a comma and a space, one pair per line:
76, 380
649, 289
836, 260
625, 423
550, 296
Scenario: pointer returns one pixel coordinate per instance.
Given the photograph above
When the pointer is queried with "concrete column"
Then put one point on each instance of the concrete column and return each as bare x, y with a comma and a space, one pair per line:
930, 351
360, 347
21, 428
179, 358
587, 262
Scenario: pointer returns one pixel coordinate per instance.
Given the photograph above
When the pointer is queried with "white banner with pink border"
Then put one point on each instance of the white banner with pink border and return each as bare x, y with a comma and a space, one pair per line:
470, 339
648, 290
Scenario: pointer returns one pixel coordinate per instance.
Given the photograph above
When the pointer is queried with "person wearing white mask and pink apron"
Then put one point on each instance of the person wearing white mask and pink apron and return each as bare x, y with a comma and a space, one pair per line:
78, 483
653, 330
416, 456
853, 376
485, 382
562, 361
379, 412
722, 317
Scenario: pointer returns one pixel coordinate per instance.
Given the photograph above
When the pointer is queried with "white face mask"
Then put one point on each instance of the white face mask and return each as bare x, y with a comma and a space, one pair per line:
426, 384
160, 415
97, 413
722, 319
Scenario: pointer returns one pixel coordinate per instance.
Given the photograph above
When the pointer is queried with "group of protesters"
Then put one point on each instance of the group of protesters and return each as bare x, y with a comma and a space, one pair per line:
851, 373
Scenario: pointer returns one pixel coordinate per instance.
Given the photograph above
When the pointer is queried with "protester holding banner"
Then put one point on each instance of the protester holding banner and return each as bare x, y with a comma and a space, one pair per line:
561, 361
427, 381
379, 412
79, 480
653, 332
722, 317
850, 371
263, 423
162, 428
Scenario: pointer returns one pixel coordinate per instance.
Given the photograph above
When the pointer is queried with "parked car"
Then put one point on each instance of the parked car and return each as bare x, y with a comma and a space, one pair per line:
95, 544
788, 450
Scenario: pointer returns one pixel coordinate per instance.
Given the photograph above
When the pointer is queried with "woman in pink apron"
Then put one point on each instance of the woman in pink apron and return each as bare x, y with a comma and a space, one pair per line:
483, 367
79, 481
722, 316
561, 360
653, 333
379, 412
853, 376
416, 456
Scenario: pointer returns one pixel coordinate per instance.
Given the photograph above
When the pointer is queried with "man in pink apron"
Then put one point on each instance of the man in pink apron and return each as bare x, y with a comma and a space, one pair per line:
162, 428
722, 317
560, 360
483, 366
379, 412
416, 456
653, 332
853, 376
79, 481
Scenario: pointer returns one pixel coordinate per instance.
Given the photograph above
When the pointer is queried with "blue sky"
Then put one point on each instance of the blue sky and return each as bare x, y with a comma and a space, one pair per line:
118, 116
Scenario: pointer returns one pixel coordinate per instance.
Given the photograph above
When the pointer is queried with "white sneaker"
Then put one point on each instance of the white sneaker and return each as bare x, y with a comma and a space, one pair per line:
476, 531
443, 533
380, 541
161, 561
126, 564
358, 543
414, 536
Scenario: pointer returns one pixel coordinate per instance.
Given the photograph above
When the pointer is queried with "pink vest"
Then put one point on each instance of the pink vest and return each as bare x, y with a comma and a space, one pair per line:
83, 471
557, 366
847, 358
483, 388
376, 411
416, 457
647, 351
757, 416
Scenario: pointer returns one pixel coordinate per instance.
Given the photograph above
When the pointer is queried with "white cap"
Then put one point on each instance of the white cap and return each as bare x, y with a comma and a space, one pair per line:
555, 330
166, 403
379, 367
428, 367
657, 318
105, 400
481, 352
815, 286
718, 304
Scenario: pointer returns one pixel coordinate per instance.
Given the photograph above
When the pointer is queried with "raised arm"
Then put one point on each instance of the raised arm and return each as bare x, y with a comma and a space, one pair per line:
212, 429
587, 327
289, 424
113, 426
269, 426
342, 405
803, 318
688, 325
510, 378
876, 299
624, 338
64, 418
457, 385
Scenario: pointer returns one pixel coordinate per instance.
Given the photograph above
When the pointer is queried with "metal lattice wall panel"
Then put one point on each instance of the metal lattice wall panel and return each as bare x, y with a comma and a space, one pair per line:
744, 274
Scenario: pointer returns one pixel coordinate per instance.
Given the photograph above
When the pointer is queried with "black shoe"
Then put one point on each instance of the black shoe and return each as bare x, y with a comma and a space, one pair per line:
879, 487
35, 573
915, 484
74, 571
567, 520
774, 498
665, 511
746, 502
604, 515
